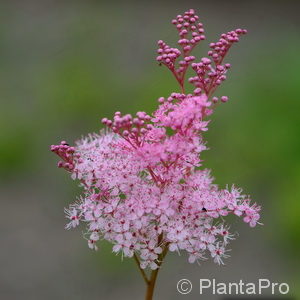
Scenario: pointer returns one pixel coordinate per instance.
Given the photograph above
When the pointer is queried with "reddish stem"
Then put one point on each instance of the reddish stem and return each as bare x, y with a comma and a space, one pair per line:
153, 277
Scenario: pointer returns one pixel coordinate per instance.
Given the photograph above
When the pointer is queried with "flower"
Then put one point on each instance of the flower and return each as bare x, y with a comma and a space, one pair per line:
144, 187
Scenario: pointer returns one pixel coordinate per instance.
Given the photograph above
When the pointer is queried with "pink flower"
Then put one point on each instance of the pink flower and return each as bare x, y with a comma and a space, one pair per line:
218, 253
144, 188
72, 214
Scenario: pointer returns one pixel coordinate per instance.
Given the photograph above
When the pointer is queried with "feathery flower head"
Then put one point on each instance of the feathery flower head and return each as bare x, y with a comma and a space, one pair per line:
144, 188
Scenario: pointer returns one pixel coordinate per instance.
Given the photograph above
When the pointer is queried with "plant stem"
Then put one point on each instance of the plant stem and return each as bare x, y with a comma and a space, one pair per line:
154, 273
151, 285
150, 282
141, 270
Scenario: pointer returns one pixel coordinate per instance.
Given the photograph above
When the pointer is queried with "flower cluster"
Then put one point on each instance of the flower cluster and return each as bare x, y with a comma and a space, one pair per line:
190, 33
144, 189
211, 72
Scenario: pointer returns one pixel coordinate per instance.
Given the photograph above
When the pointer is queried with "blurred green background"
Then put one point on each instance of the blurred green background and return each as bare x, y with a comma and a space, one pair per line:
66, 64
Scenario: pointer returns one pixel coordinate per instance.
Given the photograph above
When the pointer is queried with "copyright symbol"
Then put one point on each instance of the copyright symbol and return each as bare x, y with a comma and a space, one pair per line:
184, 286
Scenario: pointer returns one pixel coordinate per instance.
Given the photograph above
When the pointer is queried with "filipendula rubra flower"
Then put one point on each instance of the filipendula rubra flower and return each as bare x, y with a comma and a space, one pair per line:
144, 188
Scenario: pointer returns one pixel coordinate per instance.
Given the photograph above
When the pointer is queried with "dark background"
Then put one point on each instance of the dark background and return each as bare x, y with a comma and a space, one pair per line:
66, 64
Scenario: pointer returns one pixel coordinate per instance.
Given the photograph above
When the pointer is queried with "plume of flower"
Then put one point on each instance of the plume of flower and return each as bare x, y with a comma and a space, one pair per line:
144, 188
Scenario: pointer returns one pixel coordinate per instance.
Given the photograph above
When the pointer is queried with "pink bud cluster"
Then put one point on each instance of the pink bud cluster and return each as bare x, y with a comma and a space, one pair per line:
208, 78
131, 129
220, 48
211, 72
188, 25
144, 188
66, 153
190, 32
167, 55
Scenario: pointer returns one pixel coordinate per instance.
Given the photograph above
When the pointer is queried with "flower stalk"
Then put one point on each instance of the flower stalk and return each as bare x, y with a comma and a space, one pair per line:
153, 276
144, 188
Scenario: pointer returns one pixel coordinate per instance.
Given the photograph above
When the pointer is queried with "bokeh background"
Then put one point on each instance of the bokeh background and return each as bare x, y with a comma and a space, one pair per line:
66, 64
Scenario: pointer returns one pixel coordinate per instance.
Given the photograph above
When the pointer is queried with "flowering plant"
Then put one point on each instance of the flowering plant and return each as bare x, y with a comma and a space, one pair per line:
144, 188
